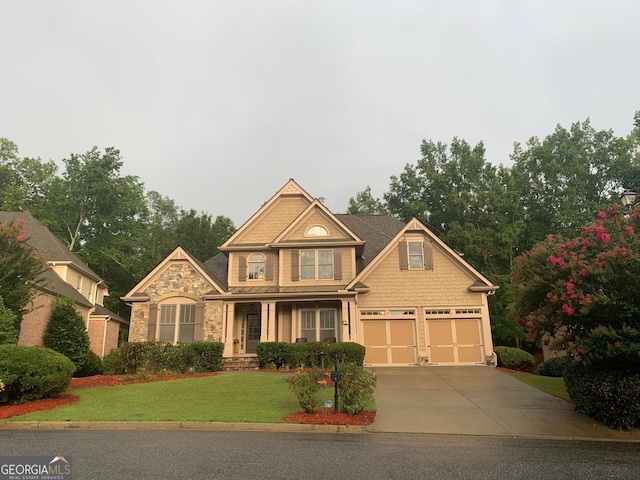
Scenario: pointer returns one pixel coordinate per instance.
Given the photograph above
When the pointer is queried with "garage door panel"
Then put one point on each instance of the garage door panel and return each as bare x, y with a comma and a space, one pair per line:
467, 332
374, 333
442, 355
470, 354
401, 332
403, 355
376, 355
440, 332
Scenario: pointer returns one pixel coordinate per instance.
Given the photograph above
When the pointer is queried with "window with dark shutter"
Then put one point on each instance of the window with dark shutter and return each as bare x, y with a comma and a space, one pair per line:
153, 319
268, 271
403, 255
295, 265
337, 264
198, 330
242, 269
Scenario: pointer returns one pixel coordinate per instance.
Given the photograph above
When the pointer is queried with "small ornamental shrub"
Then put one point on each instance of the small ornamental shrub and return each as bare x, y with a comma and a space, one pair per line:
8, 331
306, 388
206, 356
66, 332
355, 389
92, 366
610, 395
515, 359
554, 367
30, 373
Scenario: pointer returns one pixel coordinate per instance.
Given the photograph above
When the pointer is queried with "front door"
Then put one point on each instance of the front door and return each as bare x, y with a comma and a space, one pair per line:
252, 332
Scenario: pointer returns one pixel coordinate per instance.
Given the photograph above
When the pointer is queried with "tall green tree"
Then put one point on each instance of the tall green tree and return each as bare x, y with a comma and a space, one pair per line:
364, 203
201, 236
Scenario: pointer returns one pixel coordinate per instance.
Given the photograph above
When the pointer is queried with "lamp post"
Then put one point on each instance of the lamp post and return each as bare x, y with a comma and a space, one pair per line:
628, 199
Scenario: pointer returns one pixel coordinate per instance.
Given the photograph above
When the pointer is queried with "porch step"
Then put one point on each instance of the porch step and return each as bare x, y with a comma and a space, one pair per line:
240, 363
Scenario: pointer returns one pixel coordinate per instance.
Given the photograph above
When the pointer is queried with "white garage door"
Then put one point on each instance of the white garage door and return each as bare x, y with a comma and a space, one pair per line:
455, 341
389, 342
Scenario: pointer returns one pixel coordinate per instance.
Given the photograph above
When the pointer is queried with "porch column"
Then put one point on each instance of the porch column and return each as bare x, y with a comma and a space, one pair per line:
272, 323
228, 325
264, 322
344, 314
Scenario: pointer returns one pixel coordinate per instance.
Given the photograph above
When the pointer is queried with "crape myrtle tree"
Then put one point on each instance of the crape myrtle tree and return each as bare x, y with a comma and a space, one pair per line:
567, 289
20, 269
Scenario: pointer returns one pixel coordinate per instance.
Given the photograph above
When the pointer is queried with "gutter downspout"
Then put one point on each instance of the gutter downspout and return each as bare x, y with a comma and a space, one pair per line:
104, 336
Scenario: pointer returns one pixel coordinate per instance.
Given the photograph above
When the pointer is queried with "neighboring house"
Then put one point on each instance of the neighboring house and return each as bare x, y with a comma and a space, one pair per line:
297, 272
70, 277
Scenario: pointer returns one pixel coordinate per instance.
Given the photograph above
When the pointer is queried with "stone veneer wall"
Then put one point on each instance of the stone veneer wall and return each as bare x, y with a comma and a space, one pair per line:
179, 277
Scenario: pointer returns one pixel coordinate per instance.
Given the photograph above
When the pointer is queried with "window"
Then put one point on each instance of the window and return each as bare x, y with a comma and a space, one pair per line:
177, 323
257, 266
316, 264
317, 231
318, 325
415, 255
79, 283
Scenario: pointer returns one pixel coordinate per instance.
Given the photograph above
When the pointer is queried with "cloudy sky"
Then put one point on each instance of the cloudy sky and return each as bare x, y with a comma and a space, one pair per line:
216, 104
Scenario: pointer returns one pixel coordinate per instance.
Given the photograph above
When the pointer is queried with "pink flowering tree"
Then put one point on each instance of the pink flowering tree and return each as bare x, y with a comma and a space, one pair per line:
567, 290
21, 269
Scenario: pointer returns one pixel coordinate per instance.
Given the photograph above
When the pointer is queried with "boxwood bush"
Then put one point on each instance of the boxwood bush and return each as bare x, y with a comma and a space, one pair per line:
515, 359
308, 355
92, 365
554, 367
158, 357
610, 395
30, 373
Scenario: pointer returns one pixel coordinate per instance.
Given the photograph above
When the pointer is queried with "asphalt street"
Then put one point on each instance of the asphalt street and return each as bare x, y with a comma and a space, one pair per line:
210, 454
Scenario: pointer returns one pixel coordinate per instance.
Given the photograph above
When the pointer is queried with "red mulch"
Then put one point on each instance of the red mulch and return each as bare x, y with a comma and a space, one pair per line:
325, 416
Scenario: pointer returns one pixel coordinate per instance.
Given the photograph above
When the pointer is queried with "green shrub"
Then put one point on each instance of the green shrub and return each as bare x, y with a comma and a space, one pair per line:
306, 388
554, 367
92, 366
29, 373
8, 331
66, 332
355, 389
610, 395
347, 352
272, 353
515, 359
157, 357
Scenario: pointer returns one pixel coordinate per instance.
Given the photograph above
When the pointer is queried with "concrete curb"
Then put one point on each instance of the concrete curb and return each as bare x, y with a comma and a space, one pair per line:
255, 427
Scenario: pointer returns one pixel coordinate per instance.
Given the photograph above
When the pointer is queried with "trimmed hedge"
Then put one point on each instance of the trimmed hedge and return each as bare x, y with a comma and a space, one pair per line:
30, 373
610, 395
283, 355
157, 357
515, 359
554, 367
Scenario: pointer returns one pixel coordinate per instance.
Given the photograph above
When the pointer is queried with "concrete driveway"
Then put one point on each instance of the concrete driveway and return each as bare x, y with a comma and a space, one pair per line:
476, 400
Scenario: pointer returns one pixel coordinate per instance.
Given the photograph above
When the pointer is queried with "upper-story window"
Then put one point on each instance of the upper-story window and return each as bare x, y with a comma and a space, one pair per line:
257, 266
416, 258
316, 264
415, 254
317, 231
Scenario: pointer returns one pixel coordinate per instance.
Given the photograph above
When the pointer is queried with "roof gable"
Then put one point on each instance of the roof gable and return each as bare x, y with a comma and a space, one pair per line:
317, 214
414, 225
272, 218
179, 254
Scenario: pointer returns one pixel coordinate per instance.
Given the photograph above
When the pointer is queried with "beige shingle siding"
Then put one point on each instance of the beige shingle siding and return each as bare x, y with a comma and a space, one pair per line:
272, 222
316, 218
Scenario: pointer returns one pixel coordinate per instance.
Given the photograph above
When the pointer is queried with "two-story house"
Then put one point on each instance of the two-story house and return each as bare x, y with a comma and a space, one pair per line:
296, 272
68, 276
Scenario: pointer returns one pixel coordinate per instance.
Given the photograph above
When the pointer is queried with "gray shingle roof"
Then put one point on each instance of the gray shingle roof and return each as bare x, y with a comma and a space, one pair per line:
46, 243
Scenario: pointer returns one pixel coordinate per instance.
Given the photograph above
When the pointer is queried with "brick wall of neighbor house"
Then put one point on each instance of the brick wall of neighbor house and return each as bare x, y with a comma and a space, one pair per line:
445, 285
96, 334
34, 322
113, 331
274, 220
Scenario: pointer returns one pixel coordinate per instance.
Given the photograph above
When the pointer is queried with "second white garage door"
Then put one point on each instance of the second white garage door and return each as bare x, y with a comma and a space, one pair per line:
390, 342
455, 341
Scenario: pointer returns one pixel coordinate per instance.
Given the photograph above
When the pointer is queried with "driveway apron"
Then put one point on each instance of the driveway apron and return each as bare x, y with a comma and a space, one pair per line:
476, 400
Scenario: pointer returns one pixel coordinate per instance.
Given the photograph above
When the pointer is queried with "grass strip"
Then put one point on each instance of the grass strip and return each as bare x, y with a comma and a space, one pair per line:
551, 385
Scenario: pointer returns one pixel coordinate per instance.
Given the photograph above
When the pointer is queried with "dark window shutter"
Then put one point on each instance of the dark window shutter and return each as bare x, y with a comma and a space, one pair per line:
242, 269
198, 328
337, 264
268, 268
153, 320
403, 254
428, 255
295, 265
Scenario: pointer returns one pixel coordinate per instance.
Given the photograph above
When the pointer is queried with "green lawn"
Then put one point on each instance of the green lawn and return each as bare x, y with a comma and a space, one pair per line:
551, 385
223, 398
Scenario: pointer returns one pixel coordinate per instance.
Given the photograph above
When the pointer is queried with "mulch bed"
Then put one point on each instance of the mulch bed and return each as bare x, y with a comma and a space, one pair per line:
322, 416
